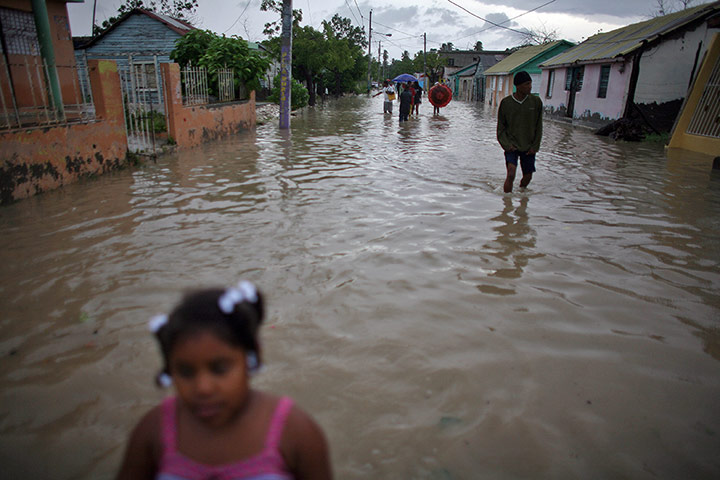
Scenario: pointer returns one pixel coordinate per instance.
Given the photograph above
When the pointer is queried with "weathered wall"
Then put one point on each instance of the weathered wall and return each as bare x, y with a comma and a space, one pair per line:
193, 125
588, 106
665, 70
35, 160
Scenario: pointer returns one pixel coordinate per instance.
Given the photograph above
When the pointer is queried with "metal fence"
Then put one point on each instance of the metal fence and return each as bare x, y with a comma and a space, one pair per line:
197, 90
226, 85
26, 101
705, 120
145, 116
195, 86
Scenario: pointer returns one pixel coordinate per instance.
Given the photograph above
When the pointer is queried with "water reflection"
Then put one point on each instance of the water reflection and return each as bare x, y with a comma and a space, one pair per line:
516, 239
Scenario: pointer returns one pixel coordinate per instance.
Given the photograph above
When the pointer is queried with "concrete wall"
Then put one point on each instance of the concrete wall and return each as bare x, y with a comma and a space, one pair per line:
190, 126
35, 160
665, 70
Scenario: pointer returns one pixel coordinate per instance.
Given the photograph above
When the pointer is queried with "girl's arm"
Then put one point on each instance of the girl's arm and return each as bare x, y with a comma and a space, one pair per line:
143, 449
308, 457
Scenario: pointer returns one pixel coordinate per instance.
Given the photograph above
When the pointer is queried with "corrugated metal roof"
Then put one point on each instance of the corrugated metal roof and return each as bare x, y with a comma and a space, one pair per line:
622, 41
521, 57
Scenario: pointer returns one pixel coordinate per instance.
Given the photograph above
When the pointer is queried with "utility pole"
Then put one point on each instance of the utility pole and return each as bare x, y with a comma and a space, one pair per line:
369, 53
425, 83
379, 64
286, 65
92, 27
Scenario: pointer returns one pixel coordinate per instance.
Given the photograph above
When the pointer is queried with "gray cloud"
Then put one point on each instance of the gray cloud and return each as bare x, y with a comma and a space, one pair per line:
590, 8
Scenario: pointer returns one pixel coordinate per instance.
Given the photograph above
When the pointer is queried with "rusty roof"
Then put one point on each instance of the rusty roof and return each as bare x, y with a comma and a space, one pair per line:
521, 57
623, 41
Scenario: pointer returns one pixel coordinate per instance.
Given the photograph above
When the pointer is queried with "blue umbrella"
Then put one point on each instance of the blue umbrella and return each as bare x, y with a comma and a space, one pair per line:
405, 77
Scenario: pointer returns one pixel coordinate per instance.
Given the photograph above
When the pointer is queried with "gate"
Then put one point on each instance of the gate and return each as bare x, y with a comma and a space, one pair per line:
145, 111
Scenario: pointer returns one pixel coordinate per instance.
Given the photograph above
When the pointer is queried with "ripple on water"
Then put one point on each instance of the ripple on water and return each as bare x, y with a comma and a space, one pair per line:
436, 327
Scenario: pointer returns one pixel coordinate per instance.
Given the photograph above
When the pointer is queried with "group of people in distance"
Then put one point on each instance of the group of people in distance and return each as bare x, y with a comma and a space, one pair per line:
217, 425
410, 98
519, 123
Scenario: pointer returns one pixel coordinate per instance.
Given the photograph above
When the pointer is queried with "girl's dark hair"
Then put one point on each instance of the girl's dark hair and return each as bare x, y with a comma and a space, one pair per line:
200, 311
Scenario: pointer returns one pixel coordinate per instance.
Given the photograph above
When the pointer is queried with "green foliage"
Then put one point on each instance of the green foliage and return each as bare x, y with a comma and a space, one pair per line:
203, 48
191, 46
274, 28
151, 121
663, 137
298, 94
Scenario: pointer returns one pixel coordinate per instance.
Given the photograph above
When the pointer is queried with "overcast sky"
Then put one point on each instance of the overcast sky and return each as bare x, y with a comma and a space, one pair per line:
443, 21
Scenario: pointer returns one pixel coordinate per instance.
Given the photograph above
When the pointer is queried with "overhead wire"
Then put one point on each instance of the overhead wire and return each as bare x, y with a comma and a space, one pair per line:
239, 16
508, 20
486, 20
353, 14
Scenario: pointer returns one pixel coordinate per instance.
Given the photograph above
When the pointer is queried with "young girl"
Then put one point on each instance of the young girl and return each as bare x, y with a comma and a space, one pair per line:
217, 427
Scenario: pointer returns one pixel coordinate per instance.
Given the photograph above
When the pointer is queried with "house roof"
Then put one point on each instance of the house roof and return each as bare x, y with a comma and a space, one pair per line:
180, 27
625, 40
467, 71
519, 59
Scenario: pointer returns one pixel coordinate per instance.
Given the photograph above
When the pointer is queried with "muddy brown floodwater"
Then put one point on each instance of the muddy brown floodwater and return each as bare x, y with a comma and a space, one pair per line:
435, 327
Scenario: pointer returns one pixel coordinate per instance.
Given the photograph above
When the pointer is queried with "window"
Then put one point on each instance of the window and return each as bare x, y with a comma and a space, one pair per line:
19, 31
604, 78
451, 62
550, 83
145, 77
578, 73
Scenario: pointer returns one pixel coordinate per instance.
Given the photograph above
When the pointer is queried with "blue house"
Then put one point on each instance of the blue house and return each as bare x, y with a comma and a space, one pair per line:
139, 42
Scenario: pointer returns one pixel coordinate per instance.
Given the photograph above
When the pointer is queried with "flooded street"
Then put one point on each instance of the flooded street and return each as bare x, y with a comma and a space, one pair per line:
435, 327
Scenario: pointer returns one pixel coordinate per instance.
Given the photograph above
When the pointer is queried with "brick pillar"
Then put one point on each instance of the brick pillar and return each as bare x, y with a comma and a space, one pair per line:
107, 94
173, 99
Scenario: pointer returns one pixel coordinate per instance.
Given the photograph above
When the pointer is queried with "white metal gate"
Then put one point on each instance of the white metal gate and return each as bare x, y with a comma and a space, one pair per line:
145, 112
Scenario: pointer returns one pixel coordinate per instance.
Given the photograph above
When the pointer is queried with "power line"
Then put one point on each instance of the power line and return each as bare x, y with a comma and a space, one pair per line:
508, 20
239, 16
399, 31
353, 14
486, 20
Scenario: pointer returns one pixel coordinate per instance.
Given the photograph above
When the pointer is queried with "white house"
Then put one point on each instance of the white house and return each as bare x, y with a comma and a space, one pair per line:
643, 69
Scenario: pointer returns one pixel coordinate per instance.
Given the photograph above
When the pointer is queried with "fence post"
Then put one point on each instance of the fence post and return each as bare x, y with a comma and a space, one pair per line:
107, 94
173, 98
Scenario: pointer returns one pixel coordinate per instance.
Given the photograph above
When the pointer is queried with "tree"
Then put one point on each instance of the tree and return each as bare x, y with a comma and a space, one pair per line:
663, 7
180, 9
274, 28
404, 65
541, 35
478, 46
204, 48
447, 47
434, 65
298, 93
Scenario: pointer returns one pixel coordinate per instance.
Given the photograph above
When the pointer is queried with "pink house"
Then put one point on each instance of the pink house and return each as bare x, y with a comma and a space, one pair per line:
643, 70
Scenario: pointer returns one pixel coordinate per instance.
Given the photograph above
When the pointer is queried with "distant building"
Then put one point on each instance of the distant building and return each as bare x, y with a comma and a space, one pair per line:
500, 76
643, 69
468, 81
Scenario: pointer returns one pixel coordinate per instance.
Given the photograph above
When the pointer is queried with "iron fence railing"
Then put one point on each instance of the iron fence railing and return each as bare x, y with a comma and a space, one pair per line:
197, 90
195, 86
27, 101
226, 85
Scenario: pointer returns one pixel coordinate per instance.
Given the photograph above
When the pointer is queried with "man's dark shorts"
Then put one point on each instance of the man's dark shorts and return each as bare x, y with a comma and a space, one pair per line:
527, 160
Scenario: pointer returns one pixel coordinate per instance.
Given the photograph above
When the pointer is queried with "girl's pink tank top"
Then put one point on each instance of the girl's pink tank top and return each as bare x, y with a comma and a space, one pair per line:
267, 465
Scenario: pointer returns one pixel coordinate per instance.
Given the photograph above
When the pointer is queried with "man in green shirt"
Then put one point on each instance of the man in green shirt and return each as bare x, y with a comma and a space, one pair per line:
519, 130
